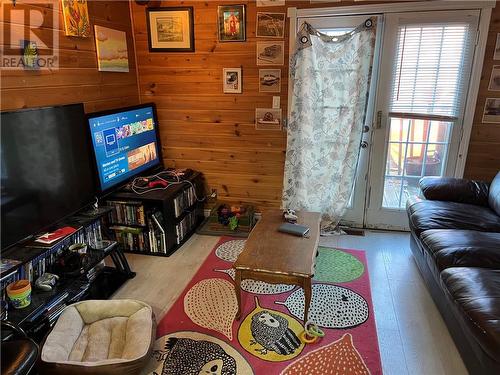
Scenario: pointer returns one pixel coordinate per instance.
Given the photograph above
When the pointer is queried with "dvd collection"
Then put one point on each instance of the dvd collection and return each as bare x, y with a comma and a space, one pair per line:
37, 266
184, 200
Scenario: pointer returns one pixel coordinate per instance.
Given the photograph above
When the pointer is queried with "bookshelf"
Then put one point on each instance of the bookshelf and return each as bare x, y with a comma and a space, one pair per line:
158, 222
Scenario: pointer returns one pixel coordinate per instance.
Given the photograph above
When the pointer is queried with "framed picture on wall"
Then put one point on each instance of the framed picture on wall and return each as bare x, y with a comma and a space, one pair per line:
270, 25
170, 29
270, 3
231, 23
491, 113
232, 80
76, 18
495, 79
269, 80
111, 47
270, 53
268, 118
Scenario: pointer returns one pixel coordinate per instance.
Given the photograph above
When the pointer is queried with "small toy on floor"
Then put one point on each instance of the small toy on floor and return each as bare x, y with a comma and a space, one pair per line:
290, 216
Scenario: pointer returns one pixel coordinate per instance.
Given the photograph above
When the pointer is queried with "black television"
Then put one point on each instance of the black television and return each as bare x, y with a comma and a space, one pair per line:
125, 143
46, 169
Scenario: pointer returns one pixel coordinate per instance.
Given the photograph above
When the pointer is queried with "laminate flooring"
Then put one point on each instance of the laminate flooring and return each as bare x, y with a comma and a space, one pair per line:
412, 336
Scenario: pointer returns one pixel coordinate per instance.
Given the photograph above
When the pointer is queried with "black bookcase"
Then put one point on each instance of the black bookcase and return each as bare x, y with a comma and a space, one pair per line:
133, 214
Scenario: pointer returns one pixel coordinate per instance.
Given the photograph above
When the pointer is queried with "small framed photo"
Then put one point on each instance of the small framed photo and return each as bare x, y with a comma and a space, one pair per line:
269, 80
268, 119
270, 25
270, 53
170, 29
496, 55
495, 79
270, 3
232, 80
231, 23
491, 113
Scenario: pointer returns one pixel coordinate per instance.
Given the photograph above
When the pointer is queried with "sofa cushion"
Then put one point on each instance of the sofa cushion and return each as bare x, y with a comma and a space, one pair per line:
425, 215
475, 293
462, 248
494, 194
454, 190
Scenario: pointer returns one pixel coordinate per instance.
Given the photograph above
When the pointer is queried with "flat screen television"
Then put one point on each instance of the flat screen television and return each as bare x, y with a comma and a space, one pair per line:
46, 169
126, 143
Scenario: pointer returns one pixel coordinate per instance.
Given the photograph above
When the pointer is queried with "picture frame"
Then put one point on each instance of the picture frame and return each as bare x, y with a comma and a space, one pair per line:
111, 49
496, 53
270, 80
491, 112
270, 25
76, 18
231, 23
170, 29
494, 84
268, 118
270, 53
232, 81
270, 3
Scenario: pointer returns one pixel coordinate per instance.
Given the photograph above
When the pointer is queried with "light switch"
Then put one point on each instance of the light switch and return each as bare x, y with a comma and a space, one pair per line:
276, 102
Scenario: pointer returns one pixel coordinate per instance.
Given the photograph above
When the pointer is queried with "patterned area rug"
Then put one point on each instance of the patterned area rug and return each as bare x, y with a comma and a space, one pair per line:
200, 336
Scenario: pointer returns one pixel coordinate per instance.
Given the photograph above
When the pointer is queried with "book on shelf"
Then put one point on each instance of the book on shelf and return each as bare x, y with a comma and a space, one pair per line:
127, 212
150, 238
51, 237
184, 200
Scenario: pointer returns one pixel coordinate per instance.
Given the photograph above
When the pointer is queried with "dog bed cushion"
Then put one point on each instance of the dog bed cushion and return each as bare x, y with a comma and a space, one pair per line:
100, 337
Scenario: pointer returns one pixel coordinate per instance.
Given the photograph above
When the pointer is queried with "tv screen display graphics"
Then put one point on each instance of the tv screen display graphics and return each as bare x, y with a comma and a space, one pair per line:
126, 144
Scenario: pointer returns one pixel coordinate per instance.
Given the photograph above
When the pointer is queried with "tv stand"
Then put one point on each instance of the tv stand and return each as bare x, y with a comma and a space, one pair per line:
94, 280
159, 221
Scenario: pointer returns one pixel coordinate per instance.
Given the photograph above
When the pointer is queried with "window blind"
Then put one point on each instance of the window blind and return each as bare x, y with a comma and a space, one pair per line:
432, 70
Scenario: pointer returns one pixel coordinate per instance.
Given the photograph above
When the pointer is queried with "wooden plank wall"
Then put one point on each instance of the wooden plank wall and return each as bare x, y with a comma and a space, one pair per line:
203, 128
483, 158
77, 79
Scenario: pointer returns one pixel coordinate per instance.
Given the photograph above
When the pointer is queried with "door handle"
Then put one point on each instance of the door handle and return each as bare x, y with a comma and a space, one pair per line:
366, 129
364, 144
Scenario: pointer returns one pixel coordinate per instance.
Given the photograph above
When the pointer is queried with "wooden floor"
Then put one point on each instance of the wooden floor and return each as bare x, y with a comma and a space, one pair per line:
412, 336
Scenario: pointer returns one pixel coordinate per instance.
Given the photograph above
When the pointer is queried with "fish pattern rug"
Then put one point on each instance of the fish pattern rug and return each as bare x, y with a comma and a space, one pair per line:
199, 334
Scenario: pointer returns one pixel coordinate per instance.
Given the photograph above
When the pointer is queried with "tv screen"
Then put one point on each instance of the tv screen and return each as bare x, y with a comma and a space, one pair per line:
125, 143
46, 169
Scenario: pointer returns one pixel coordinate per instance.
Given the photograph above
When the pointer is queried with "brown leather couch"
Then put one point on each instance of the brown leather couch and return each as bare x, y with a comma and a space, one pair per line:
455, 240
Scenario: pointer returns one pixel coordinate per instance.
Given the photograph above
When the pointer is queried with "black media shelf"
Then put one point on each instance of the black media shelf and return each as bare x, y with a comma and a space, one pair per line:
175, 208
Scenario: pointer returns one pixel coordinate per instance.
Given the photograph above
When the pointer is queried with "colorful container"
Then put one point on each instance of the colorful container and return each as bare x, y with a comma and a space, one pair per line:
19, 293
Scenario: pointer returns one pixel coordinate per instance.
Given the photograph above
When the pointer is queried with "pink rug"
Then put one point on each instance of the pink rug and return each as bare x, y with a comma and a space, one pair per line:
200, 336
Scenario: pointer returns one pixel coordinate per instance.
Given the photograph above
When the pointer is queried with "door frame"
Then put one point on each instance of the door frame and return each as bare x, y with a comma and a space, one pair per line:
484, 6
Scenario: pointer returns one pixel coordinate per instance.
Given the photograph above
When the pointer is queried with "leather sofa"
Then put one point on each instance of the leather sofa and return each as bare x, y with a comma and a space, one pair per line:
455, 240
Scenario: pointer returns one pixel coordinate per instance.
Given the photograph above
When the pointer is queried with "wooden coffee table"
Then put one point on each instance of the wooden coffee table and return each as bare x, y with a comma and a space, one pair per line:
279, 258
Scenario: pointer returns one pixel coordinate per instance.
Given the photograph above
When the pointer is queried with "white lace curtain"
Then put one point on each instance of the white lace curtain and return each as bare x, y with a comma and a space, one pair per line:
331, 79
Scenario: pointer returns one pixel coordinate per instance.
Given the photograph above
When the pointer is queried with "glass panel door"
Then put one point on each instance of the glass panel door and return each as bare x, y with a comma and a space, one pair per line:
422, 91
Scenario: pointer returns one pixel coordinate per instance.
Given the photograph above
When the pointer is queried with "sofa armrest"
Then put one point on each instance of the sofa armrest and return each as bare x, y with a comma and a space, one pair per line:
455, 190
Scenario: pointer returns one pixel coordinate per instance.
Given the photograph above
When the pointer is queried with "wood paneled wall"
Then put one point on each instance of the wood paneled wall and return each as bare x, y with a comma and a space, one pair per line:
203, 128
483, 158
77, 78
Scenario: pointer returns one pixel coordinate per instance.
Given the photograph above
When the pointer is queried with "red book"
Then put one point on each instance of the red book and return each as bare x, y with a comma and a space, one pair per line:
51, 237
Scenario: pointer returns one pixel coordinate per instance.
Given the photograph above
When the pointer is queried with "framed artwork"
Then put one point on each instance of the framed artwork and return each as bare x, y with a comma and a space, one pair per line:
496, 54
491, 113
111, 47
76, 18
495, 79
270, 3
170, 29
270, 53
231, 23
269, 80
232, 83
270, 25
268, 119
